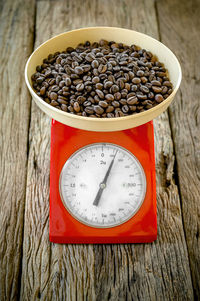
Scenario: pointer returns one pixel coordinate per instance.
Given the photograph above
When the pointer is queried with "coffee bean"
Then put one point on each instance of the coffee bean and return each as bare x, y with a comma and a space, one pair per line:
99, 110
167, 83
140, 73
141, 96
114, 89
95, 64
95, 80
77, 81
53, 96
42, 90
47, 100
76, 107
156, 89
164, 90
39, 80
132, 100
123, 101
109, 97
159, 98
115, 104
156, 83
103, 104
136, 80
78, 70
89, 110
108, 84
110, 115
121, 84
64, 107
100, 93
125, 109
61, 101
144, 89
102, 68
99, 86
80, 87
132, 108
110, 109
54, 103
68, 81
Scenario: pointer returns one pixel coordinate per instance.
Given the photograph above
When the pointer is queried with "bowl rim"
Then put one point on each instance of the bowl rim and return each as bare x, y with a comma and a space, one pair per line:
93, 119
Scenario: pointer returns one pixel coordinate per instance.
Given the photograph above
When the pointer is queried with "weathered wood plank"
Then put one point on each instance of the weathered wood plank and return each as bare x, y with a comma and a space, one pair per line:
16, 44
158, 271
180, 27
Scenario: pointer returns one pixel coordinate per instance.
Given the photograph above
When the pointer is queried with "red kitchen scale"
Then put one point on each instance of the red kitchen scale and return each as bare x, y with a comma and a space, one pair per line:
102, 185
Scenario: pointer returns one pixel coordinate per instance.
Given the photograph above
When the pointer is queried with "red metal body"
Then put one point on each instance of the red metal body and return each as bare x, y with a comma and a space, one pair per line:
142, 227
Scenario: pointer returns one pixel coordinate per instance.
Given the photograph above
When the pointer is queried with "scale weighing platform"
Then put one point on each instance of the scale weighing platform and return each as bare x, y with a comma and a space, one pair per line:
102, 185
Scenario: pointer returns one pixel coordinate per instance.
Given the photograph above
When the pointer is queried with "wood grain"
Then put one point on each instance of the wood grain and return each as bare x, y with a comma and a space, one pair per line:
16, 44
182, 20
157, 271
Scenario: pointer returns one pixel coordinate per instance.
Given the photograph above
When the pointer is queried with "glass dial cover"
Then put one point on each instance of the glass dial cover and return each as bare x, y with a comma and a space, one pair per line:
102, 185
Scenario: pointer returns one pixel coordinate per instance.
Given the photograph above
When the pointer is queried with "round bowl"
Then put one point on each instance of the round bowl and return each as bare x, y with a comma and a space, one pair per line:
126, 36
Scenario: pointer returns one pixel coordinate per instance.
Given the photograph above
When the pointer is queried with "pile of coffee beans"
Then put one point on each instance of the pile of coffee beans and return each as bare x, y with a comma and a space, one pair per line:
103, 80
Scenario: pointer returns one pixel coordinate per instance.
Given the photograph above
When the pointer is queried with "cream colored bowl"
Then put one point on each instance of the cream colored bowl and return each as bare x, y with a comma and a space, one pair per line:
129, 37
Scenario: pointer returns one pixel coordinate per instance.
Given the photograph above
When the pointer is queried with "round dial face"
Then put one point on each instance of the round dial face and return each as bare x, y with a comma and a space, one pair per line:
102, 185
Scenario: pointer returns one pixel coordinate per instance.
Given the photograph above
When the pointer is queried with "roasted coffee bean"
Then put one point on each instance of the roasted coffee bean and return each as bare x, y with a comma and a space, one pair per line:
140, 73
95, 64
98, 110
132, 108
109, 97
114, 89
123, 101
80, 87
102, 80
64, 107
89, 110
167, 83
159, 98
99, 86
117, 96
144, 89
164, 90
61, 101
53, 96
78, 70
125, 109
54, 103
110, 109
68, 81
47, 100
156, 89
156, 83
115, 104
103, 104
141, 96
110, 115
100, 93
42, 91
76, 107
39, 80
108, 84
136, 80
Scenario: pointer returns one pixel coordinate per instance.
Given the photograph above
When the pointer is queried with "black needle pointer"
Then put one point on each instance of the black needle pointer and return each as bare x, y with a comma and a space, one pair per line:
103, 183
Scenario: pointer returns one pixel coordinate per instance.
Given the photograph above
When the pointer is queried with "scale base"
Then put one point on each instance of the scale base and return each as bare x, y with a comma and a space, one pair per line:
142, 227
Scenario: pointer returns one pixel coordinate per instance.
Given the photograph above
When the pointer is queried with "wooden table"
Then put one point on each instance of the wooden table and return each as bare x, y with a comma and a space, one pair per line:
31, 268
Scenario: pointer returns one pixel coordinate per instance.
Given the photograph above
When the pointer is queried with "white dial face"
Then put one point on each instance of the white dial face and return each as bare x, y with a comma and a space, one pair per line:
102, 185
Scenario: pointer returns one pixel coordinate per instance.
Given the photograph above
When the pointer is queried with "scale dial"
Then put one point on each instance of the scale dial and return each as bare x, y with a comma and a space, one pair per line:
102, 185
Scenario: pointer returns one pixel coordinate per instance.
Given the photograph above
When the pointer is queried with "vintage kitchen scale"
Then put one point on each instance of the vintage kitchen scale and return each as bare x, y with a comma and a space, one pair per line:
102, 171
